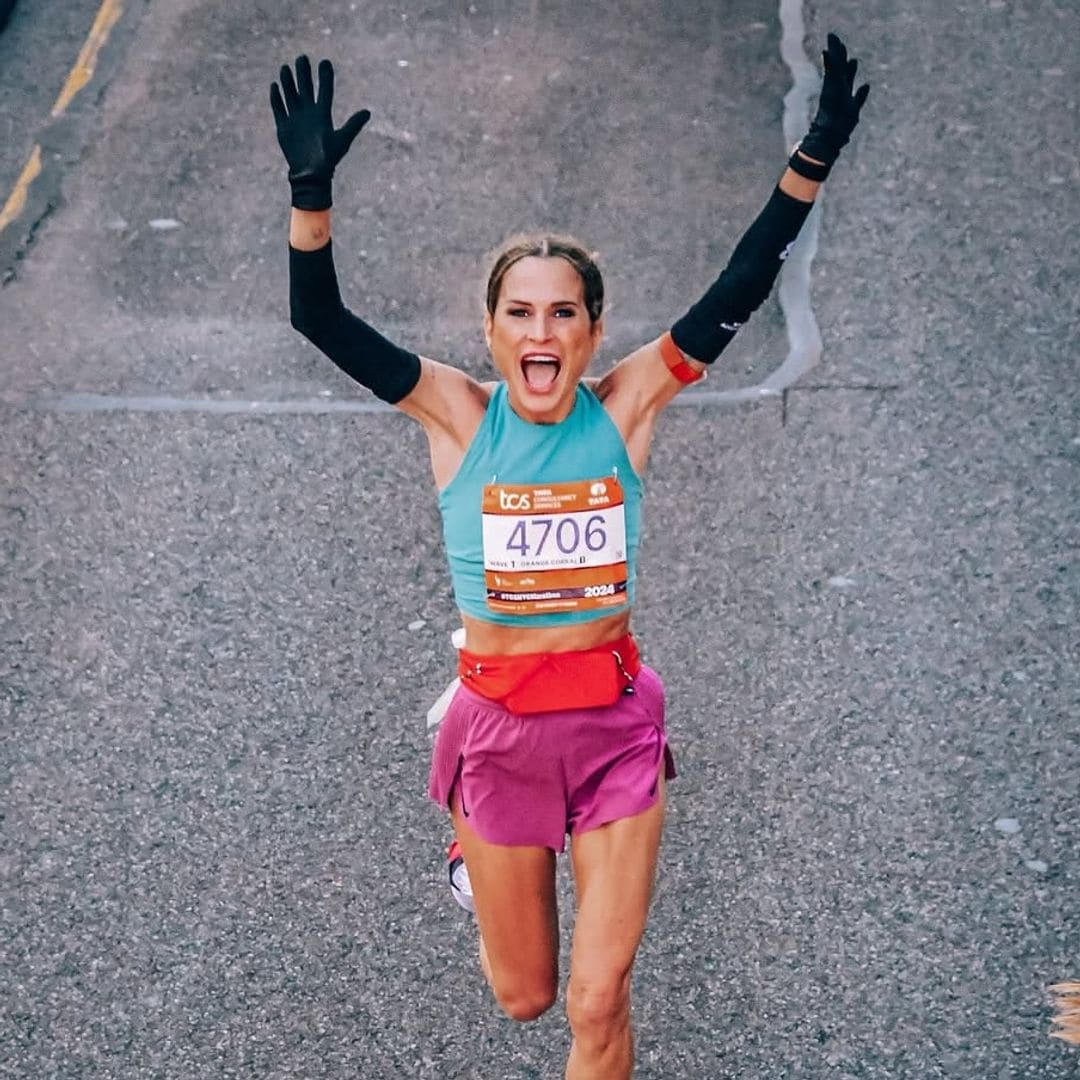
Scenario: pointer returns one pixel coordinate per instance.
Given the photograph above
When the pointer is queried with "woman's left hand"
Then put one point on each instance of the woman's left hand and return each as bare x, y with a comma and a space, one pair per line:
838, 107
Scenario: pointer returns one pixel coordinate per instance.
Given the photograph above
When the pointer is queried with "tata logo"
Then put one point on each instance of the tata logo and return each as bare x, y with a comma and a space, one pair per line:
511, 500
599, 488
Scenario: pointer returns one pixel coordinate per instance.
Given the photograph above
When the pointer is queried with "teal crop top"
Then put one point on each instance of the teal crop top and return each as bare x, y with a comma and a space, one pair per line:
542, 521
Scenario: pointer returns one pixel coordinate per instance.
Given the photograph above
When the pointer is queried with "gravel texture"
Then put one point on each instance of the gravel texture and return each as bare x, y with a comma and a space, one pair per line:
221, 633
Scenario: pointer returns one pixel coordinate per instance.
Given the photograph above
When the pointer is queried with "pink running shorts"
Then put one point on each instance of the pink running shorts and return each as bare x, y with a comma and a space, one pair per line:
529, 780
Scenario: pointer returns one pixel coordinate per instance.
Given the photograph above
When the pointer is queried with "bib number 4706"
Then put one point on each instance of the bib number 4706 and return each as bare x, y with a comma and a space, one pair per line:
530, 536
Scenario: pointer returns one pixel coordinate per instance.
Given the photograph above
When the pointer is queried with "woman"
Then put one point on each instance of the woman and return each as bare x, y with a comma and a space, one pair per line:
558, 727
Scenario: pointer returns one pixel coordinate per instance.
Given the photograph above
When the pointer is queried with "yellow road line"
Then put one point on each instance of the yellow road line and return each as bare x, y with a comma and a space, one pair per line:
17, 199
83, 71
79, 76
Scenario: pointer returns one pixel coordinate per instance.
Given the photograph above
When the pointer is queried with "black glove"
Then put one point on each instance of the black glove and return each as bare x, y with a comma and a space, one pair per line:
306, 132
838, 108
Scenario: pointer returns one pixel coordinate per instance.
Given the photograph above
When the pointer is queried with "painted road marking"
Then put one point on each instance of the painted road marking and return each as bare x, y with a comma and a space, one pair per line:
98, 403
81, 73
794, 289
17, 199
804, 337
103, 403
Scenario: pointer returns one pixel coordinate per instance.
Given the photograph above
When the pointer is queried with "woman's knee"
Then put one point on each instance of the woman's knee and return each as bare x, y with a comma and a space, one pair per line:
525, 1003
597, 1007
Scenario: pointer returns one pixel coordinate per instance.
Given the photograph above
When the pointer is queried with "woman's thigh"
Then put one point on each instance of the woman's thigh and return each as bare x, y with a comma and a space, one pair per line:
614, 871
514, 895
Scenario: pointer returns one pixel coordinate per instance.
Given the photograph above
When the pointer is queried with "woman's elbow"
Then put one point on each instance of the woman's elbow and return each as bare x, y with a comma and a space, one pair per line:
303, 323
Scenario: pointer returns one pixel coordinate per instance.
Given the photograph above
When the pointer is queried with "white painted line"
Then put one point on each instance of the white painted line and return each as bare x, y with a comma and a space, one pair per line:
804, 338
95, 403
101, 403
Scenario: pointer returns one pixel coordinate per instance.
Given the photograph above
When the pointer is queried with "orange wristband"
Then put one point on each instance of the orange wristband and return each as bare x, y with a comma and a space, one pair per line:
676, 363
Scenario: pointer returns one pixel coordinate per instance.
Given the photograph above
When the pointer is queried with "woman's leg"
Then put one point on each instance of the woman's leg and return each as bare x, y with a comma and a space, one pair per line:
514, 894
614, 869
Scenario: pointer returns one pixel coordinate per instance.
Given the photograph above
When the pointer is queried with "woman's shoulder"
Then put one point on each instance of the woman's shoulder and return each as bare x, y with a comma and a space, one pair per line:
450, 405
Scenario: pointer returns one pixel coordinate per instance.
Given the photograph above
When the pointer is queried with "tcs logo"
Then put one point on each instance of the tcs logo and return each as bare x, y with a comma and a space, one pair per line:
512, 500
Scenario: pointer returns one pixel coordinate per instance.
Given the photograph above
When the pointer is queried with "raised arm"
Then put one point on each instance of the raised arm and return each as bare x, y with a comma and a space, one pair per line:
637, 388
704, 331
313, 148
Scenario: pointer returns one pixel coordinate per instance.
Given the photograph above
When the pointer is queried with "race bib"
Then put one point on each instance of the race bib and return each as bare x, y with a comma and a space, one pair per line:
554, 547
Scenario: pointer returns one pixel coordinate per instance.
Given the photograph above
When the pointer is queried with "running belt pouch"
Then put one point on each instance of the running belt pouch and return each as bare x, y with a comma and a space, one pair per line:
704, 331
316, 310
551, 682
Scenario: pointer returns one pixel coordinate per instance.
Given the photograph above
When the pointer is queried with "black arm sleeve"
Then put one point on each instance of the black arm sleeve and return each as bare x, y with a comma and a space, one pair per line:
747, 279
316, 310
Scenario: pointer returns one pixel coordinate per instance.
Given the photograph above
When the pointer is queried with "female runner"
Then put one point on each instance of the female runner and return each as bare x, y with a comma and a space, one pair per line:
557, 727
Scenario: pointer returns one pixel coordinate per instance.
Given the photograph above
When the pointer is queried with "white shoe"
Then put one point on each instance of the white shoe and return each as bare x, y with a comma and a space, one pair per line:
459, 878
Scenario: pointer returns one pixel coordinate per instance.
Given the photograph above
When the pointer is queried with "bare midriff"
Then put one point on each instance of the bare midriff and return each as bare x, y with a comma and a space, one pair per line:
494, 639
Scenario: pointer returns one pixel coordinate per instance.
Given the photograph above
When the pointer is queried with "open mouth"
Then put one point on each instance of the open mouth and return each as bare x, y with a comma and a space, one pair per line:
540, 371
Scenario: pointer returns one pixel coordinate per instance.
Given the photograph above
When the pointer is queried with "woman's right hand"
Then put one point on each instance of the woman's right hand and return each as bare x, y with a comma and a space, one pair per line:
306, 134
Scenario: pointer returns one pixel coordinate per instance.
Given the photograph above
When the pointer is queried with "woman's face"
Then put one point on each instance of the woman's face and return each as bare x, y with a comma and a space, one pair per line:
541, 338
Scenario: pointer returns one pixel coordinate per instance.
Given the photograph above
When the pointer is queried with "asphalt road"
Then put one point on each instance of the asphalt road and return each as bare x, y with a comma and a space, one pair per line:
225, 610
